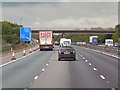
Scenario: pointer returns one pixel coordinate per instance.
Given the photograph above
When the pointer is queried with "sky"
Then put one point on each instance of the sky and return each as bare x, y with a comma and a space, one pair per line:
59, 14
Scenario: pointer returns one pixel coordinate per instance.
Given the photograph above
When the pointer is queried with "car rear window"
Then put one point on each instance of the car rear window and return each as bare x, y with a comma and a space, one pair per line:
66, 48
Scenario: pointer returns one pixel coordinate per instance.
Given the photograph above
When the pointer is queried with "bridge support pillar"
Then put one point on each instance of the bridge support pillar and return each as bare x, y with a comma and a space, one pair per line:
63, 35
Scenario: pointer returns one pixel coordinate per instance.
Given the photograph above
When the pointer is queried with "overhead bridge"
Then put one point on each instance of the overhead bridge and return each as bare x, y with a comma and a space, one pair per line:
77, 31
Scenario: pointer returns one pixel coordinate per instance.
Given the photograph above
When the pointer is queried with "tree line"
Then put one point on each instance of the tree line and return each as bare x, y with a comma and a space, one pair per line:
101, 37
10, 33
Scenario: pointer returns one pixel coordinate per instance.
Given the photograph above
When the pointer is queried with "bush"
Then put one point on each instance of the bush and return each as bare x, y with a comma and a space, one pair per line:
116, 36
10, 33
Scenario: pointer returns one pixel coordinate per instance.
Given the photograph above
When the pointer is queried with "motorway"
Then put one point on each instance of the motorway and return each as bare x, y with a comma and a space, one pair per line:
42, 70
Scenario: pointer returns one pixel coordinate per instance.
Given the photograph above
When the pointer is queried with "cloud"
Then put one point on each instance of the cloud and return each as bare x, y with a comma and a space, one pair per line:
62, 14
78, 23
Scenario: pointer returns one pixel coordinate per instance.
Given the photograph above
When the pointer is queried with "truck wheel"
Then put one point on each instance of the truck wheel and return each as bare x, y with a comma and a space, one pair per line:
58, 59
74, 59
40, 49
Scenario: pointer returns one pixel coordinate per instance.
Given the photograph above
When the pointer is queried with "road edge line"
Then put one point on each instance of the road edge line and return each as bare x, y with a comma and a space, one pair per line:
16, 59
103, 53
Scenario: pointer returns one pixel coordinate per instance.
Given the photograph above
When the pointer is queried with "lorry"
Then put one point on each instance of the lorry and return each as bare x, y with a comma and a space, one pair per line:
109, 42
93, 40
46, 40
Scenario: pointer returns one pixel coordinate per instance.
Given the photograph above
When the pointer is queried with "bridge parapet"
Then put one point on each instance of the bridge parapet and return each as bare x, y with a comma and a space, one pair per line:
77, 30
72, 29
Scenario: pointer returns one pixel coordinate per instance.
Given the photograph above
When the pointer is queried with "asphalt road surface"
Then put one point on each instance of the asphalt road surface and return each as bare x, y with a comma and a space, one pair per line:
43, 70
20, 74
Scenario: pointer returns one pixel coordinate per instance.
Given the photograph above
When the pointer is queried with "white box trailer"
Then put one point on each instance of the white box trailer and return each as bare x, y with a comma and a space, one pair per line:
46, 40
109, 42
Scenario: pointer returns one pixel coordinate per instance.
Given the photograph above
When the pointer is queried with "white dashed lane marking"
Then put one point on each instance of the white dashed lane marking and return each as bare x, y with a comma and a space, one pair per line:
46, 64
83, 57
103, 77
86, 60
43, 70
95, 69
90, 64
36, 77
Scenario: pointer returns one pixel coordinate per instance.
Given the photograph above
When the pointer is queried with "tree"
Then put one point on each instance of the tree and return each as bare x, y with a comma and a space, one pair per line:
116, 36
10, 33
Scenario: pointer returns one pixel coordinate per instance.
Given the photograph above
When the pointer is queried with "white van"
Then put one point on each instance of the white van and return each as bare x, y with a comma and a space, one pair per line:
109, 42
61, 41
67, 42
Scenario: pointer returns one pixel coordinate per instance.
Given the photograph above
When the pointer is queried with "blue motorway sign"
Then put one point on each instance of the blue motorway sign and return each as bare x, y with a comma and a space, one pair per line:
25, 33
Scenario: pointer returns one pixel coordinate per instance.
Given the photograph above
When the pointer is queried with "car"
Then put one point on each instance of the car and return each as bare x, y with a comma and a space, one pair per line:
78, 43
57, 43
116, 44
84, 43
66, 52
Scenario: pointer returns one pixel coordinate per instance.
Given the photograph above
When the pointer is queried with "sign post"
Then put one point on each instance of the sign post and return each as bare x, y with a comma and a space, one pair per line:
31, 43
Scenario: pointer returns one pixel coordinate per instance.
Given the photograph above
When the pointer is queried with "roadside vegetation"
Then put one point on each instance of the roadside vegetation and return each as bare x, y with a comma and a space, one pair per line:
11, 35
36, 36
85, 37
116, 36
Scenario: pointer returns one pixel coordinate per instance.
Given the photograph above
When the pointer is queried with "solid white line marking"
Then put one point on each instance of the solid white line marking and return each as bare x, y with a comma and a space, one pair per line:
102, 77
16, 59
83, 57
90, 64
46, 64
51, 58
36, 77
49, 61
95, 69
6, 63
103, 53
86, 60
43, 69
